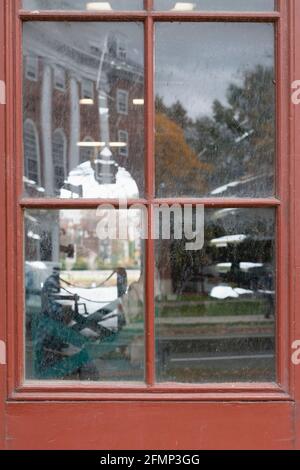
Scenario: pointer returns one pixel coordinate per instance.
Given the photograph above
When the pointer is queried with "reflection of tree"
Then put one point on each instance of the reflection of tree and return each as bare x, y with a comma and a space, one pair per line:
190, 272
177, 165
235, 143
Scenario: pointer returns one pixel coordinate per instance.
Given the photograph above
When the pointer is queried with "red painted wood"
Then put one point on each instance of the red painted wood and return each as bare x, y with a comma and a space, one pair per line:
2, 233
150, 396
75, 203
82, 16
19, 371
296, 140
13, 183
296, 368
150, 192
222, 202
94, 203
140, 15
295, 159
79, 391
283, 274
158, 426
148, 5
216, 16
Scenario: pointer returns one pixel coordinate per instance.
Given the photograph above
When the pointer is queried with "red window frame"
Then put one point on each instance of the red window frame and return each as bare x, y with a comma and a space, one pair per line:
18, 389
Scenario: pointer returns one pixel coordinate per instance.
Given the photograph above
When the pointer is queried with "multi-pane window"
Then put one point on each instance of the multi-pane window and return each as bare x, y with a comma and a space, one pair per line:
181, 288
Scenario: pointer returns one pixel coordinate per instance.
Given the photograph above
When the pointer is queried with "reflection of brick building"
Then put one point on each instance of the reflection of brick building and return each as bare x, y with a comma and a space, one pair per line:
65, 66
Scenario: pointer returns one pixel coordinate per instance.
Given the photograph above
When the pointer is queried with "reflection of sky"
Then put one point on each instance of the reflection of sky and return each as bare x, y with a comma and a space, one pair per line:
208, 5
226, 5
79, 4
81, 36
197, 63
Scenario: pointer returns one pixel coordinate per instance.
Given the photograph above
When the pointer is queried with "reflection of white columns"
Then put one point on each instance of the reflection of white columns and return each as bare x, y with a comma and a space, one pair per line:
75, 125
103, 89
46, 120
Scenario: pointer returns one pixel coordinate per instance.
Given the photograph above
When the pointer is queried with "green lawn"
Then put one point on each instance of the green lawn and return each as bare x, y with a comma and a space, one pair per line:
213, 308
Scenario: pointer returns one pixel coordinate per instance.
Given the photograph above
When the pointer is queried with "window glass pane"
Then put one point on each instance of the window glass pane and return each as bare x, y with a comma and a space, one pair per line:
83, 84
84, 296
83, 5
215, 307
215, 5
215, 109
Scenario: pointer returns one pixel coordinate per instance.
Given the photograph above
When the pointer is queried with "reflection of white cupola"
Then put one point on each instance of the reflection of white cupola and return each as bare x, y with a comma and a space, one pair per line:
117, 46
107, 181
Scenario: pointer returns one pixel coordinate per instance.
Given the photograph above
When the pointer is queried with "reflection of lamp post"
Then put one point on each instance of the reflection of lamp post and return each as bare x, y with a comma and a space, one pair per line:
102, 97
105, 167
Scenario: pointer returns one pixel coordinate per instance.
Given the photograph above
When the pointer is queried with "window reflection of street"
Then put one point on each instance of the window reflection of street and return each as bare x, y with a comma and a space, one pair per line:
215, 138
215, 308
84, 300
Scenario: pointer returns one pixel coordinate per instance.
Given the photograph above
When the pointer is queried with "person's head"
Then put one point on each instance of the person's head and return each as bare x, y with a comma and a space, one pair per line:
56, 271
121, 271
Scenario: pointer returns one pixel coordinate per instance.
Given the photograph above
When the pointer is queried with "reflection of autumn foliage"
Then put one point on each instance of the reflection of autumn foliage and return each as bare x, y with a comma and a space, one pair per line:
235, 144
177, 165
